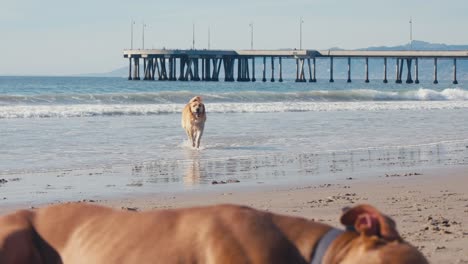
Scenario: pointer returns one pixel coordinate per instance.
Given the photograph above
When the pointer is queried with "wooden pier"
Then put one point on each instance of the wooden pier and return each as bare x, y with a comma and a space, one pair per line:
205, 65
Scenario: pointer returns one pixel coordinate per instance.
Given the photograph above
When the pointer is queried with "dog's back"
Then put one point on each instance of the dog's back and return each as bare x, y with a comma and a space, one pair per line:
84, 233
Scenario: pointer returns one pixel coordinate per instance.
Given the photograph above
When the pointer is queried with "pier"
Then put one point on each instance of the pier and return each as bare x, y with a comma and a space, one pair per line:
206, 65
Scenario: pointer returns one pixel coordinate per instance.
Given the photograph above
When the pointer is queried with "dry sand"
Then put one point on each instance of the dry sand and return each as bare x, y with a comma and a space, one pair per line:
429, 206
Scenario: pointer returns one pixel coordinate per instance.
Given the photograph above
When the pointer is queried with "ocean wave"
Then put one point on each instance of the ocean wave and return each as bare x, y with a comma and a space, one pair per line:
422, 94
180, 97
87, 110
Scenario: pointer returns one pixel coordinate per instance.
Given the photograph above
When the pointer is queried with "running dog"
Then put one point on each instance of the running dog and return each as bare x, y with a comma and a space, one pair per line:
193, 120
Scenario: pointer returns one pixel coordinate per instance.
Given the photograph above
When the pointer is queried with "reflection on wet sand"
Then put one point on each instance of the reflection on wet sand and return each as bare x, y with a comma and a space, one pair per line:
195, 169
194, 172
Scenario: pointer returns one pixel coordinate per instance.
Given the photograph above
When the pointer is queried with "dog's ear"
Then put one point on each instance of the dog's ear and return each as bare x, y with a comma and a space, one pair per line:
196, 99
369, 221
203, 108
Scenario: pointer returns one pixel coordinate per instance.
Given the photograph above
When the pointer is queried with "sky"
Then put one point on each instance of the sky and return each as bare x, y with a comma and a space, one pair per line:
63, 37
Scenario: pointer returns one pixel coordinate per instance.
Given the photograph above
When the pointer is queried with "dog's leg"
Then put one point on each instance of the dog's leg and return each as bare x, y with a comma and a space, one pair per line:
193, 138
189, 136
198, 138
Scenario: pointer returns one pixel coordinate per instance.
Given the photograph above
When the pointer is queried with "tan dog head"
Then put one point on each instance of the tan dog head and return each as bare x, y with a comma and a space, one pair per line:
197, 108
378, 241
369, 221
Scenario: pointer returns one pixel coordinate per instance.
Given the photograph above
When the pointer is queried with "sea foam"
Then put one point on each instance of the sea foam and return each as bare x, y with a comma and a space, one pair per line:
167, 102
86, 110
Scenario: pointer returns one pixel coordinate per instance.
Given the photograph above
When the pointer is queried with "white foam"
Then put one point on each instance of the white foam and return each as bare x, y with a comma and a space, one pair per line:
239, 102
186, 144
60, 111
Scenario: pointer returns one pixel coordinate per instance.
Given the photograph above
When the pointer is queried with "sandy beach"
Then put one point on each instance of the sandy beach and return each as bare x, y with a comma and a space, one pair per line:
429, 206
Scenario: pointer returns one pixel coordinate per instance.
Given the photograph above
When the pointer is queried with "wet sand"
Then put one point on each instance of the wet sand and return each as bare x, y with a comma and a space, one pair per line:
430, 207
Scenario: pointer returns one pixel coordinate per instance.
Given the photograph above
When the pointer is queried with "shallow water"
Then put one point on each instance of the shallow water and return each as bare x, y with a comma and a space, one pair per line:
69, 139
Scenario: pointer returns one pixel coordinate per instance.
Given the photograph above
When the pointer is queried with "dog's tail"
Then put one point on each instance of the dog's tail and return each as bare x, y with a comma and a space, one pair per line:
196, 99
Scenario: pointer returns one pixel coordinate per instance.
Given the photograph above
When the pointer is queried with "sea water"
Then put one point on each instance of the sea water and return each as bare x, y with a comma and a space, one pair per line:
66, 138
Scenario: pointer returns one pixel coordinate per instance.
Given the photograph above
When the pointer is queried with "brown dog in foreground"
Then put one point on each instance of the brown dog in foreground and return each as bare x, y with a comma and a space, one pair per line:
193, 120
85, 233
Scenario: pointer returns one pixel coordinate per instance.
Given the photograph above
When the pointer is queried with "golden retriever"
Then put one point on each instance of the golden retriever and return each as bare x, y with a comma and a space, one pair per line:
193, 120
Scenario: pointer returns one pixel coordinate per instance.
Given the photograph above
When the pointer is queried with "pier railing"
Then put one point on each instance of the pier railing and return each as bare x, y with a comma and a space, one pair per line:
205, 65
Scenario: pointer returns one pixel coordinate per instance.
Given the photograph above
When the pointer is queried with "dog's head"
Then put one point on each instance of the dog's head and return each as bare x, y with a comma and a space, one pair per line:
378, 240
197, 107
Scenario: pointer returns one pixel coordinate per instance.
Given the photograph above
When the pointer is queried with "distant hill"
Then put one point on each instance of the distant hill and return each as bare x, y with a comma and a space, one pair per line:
120, 72
375, 65
420, 45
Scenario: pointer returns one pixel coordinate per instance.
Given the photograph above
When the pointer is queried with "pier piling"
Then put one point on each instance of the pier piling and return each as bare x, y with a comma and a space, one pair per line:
188, 65
130, 68
253, 69
136, 69
408, 76
264, 70
385, 71
455, 71
416, 71
400, 72
313, 70
300, 74
272, 69
297, 70
174, 65
398, 75
172, 74
349, 70
367, 70
310, 70
280, 69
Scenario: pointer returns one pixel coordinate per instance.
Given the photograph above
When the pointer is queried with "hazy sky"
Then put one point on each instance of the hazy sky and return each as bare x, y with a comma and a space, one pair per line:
59, 37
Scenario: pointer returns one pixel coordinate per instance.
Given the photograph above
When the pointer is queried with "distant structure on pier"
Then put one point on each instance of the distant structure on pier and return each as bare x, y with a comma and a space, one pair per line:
205, 65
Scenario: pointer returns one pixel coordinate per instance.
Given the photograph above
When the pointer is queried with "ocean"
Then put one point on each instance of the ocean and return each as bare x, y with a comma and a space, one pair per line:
72, 138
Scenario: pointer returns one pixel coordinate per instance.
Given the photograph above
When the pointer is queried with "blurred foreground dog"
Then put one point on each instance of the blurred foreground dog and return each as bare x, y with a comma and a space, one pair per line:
193, 120
85, 233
